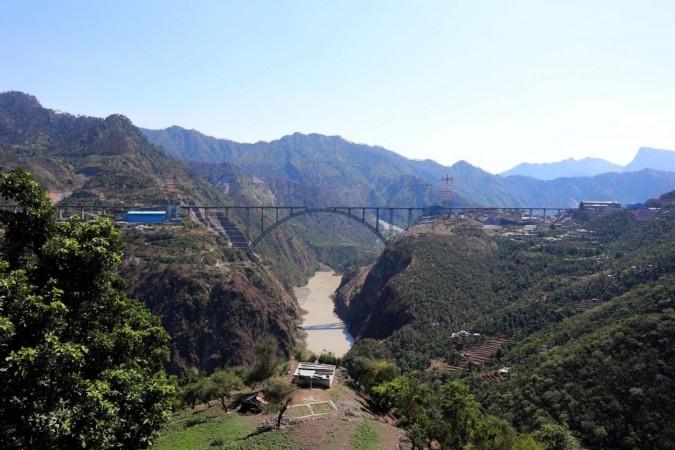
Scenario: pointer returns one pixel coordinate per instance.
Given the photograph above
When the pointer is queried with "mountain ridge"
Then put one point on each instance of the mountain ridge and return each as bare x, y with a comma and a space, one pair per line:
374, 175
645, 158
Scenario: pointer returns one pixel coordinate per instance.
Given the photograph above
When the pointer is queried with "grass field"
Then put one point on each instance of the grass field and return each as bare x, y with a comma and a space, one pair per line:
209, 430
323, 408
212, 429
189, 431
365, 437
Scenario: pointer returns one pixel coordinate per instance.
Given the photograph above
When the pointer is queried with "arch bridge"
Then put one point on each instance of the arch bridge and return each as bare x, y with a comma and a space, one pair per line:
259, 221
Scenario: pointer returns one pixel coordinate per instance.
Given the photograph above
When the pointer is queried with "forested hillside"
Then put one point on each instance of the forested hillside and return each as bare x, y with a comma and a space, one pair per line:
580, 312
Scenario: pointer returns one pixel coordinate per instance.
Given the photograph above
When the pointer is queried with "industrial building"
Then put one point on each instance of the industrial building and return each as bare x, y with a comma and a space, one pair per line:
312, 375
145, 216
598, 205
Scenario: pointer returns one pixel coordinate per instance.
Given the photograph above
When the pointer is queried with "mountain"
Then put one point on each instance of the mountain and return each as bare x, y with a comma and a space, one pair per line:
88, 157
580, 314
318, 169
332, 168
586, 167
214, 300
652, 158
645, 158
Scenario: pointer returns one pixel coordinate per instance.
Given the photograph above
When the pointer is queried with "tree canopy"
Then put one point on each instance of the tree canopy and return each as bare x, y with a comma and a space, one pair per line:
82, 364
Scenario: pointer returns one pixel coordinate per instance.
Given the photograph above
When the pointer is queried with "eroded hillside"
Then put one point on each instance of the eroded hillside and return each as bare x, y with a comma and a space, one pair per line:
213, 301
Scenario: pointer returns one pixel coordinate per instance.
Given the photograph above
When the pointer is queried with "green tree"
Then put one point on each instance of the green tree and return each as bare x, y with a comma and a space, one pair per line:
279, 391
556, 437
266, 359
225, 381
81, 364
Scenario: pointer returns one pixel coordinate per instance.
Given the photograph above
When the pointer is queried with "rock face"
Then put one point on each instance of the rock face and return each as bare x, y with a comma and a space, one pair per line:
216, 322
214, 303
368, 303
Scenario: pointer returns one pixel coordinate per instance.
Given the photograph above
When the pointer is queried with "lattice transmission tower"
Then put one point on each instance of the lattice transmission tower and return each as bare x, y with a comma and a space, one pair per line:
446, 191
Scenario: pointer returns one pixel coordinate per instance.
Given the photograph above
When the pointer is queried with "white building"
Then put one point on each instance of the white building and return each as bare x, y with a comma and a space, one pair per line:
310, 374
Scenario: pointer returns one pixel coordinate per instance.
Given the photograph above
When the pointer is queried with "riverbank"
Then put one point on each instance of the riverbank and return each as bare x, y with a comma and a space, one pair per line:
325, 331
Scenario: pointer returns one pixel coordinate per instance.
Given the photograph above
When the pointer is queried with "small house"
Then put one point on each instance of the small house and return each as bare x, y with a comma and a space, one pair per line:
310, 374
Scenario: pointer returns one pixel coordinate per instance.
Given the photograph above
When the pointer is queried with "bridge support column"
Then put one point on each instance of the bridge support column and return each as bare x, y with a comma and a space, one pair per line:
246, 215
391, 221
262, 220
377, 219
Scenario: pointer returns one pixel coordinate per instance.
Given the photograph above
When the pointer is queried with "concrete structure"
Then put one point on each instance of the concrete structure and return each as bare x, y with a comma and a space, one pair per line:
312, 375
145, 216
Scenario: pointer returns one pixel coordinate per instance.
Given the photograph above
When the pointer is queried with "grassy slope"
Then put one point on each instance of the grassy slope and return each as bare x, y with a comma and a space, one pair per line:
210, 429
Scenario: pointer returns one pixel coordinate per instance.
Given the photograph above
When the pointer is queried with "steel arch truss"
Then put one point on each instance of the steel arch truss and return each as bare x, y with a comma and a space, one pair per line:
347, 212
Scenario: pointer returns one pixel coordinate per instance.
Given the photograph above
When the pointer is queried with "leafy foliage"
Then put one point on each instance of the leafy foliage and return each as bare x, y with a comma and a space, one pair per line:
587, 305
82, 364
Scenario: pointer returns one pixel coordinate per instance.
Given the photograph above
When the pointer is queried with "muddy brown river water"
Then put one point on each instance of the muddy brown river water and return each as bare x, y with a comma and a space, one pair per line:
325, 331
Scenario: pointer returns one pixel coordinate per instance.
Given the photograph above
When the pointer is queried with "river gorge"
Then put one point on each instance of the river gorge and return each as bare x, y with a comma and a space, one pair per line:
325, 331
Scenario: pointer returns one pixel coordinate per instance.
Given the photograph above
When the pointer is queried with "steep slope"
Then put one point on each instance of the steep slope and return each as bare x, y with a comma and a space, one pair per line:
346, 172
213, 301
607, 373
586, 167
586, 305
86, 157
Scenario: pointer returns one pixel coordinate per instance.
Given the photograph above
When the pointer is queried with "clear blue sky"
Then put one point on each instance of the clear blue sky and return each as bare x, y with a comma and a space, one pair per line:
491, 82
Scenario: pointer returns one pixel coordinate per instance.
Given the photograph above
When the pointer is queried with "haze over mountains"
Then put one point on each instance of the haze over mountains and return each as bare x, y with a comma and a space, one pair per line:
310, 169
343, 171
646, 158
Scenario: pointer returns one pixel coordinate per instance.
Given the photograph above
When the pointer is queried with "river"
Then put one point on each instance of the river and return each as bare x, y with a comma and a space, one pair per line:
325, 331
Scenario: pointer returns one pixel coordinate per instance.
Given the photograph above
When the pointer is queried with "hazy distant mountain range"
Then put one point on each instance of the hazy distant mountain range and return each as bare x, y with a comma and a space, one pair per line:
91, 157
334, 169
646, 158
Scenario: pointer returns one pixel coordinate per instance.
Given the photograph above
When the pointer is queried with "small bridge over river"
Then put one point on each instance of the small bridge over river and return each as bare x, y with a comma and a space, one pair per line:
246, 226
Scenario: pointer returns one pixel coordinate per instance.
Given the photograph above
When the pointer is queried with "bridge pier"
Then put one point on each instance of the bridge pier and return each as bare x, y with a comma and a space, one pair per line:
377, 219
246, 214
262, 220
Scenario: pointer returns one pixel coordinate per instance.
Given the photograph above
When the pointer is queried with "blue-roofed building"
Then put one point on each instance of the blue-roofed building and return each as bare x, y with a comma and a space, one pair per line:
145, 216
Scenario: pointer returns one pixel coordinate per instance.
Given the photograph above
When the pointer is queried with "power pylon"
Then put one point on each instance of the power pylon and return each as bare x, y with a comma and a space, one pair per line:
446, 191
